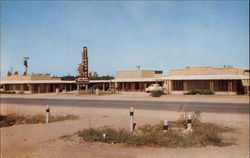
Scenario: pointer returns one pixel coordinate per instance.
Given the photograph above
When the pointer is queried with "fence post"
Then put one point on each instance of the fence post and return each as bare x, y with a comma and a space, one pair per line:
47, 114
165, 126
189, 123
131, 119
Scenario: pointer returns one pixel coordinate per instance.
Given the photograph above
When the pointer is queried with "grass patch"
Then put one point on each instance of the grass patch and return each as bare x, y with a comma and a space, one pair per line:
203, 134
15, 118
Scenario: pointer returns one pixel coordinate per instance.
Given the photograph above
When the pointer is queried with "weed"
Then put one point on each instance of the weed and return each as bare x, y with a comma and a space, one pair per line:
16, 118
152, 135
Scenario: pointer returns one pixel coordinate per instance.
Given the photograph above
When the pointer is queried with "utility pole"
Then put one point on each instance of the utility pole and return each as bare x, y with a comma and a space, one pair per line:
25, 63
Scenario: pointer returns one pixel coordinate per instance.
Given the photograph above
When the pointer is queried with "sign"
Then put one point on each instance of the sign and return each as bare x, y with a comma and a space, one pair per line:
82, 80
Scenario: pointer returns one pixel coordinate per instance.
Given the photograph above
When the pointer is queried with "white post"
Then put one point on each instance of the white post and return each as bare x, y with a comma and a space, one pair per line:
131, 119
47, 114
189, 121
165, 126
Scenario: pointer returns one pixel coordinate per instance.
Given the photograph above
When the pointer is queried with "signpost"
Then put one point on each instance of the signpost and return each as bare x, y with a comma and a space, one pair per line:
83, 77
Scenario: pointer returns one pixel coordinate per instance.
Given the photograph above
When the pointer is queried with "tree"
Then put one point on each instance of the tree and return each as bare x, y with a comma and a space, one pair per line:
16, 73
9, 73
95, 74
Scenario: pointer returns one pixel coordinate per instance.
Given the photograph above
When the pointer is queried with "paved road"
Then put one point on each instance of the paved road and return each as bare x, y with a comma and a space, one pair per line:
240, 108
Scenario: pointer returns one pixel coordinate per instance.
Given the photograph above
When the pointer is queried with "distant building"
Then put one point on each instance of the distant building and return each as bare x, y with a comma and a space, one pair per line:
35, 83
225, 80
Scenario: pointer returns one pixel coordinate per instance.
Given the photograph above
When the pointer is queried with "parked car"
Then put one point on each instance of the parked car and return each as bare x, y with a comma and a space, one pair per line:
154, 87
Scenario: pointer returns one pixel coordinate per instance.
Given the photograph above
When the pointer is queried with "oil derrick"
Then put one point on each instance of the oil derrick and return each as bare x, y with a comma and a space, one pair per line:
83, 77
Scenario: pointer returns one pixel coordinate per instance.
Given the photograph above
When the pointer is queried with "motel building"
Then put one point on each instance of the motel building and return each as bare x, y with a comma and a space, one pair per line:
227, 80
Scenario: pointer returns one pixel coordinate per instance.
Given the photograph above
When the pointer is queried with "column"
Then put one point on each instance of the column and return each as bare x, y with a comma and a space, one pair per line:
47, 88
103, 86
211, 85
116, 86
123, 87
30, 88
38, 88
54, 88
246, 90
65, 87
230, 86
169, 86
133, 86
185, 85
22, 87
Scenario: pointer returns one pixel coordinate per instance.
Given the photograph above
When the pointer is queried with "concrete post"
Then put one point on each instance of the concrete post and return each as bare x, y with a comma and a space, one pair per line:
47, 114
165, 126
189, 123
132, 124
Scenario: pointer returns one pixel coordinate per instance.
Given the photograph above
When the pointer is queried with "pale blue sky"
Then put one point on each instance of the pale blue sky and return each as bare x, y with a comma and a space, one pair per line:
161, 35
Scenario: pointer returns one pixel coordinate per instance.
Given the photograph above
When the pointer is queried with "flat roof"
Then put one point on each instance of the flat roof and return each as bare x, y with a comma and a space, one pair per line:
206, 77
47, 81
176, 77
137, 80
34, 81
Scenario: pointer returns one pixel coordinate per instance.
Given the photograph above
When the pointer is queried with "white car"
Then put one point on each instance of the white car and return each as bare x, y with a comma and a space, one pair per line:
154, 87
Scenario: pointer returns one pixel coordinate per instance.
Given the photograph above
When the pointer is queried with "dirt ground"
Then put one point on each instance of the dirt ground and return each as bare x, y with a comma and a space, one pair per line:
43, 140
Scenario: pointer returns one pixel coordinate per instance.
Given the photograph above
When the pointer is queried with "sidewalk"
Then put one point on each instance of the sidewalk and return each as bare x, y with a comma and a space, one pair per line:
138, 96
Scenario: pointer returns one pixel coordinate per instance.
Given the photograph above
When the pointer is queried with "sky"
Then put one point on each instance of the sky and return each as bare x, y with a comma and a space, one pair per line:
119, 35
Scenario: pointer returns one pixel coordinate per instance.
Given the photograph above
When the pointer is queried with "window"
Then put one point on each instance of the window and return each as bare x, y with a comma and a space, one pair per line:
177, 85
223, 85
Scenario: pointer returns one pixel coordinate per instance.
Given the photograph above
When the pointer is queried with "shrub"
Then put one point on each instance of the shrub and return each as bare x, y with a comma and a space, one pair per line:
199, 91
156, 93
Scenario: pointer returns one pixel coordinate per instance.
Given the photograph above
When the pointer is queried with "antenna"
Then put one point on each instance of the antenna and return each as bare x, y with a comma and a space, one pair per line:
138, 67
25, 63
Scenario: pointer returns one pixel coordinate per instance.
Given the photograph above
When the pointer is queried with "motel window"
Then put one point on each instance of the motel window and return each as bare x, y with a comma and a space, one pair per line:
223, 85
178, 85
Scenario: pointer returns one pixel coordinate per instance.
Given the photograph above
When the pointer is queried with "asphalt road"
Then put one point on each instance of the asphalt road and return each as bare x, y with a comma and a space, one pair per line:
239, 108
